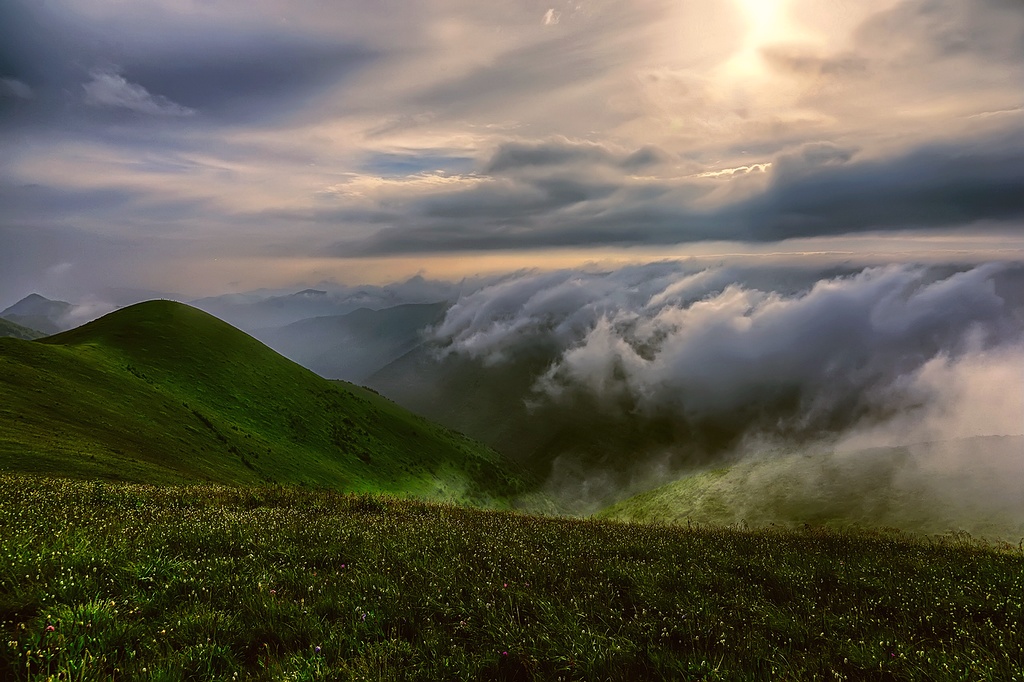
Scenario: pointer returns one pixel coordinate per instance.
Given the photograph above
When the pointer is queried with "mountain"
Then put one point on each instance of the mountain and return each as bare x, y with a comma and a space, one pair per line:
969, 484
355, 345
265, 310
38, 312
163, 392
16, 331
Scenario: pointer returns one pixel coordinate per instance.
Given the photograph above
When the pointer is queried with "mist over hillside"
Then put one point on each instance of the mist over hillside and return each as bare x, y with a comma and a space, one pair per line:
355, 345
605, 382
611, 381
967, 484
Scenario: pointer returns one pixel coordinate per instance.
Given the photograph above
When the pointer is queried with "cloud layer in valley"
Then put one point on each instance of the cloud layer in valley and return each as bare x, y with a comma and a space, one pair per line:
734, 360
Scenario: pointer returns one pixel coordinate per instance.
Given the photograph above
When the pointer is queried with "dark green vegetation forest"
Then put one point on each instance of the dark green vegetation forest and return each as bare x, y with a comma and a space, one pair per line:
180, 502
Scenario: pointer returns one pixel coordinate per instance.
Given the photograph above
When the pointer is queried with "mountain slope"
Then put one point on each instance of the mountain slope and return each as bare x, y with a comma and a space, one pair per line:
970, 484
38, 312
17, 331
160, 391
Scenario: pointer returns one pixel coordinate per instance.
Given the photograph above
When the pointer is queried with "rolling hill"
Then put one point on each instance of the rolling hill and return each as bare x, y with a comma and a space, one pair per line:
970, 484
162, 392
17, 331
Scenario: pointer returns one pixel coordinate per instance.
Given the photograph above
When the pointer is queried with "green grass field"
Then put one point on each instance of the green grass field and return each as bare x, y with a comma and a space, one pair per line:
119, 581
163, 393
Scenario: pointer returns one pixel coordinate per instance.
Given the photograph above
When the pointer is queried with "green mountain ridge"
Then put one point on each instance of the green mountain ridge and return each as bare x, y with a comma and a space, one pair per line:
14, 330
160, 392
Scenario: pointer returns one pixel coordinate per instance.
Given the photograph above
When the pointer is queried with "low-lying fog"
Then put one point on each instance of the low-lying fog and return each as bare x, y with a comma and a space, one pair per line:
605, 382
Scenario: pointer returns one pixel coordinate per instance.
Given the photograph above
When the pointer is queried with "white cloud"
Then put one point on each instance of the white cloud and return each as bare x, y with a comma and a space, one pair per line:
110, 89
551, 17
12, 87
980, 393
847, 352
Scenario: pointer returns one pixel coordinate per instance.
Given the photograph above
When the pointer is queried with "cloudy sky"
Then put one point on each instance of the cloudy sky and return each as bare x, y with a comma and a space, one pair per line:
202, 146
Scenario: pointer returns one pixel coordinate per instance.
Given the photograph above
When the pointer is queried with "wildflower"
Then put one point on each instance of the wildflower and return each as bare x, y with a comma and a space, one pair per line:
504, 653
50, 628
316, 650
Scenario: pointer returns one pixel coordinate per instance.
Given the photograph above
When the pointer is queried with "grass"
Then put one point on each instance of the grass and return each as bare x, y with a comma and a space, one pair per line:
969, 484
163, 393
17, 331
121, 581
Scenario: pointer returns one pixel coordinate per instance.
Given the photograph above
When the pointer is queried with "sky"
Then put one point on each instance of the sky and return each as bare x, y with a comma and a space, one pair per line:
205, 146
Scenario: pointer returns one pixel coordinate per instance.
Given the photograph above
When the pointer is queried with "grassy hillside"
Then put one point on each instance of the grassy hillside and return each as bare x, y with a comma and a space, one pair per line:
161, 392
970, 484
113, 581
17, 331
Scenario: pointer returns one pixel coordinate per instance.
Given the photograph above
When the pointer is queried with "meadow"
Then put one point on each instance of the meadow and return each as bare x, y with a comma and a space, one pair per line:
103, 580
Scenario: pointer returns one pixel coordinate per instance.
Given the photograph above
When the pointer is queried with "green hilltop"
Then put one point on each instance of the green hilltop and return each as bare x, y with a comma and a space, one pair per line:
160, 392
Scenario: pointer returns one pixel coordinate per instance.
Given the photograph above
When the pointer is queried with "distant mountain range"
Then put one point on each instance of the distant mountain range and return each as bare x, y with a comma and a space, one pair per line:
162, 392
39, 313
356, 345
262, 310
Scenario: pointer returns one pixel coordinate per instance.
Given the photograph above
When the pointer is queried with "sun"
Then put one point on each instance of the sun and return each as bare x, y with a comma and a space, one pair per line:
766, 23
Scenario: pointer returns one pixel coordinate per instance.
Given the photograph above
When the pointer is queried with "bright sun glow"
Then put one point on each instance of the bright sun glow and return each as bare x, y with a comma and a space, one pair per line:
766, 24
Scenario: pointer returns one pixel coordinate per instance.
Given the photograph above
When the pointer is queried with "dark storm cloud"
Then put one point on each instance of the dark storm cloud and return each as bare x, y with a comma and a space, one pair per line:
367, 129
512, 204
513, 156
934, 186
401, 164
160, 63
556, 195
256, 78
